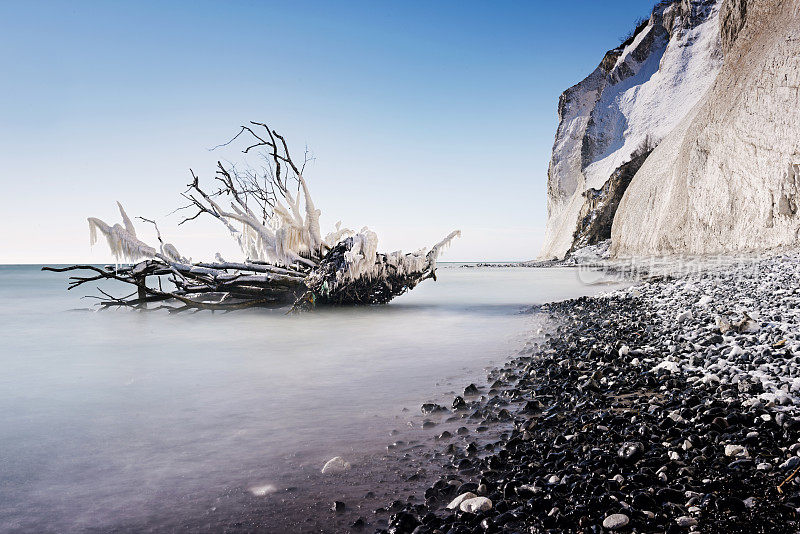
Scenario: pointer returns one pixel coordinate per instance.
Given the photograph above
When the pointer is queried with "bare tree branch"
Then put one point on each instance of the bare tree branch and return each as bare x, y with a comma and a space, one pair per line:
288, 262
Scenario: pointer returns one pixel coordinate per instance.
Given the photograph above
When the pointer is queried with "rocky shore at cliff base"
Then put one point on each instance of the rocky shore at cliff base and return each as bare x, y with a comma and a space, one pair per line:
671, 405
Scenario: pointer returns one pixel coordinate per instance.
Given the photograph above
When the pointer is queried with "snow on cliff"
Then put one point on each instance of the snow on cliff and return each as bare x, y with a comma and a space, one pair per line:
728, 177
640, 92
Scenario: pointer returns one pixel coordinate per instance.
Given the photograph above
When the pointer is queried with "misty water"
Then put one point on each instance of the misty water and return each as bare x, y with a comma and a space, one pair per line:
123, 418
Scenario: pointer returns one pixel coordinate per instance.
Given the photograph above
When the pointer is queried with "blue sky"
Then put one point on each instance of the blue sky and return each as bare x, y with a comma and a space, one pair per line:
422, 117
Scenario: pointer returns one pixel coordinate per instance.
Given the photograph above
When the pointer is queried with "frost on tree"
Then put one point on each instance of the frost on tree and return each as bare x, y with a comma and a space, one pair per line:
272, 218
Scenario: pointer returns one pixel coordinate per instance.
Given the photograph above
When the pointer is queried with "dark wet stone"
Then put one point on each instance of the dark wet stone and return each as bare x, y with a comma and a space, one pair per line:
532, 406
429, 408
459, 403
467, 487
430, 519
733, 504
744, 463
670, 495
338, 506
792, 463
643, 501
505, 517
526, 491
471, 390
464, 463
631, 451
719, 424
402, 523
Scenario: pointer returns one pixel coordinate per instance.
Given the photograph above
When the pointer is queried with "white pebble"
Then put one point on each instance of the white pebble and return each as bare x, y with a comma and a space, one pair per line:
476, 504
705, 300
615, 521
261, 491
336, 464
735, 450
456, 503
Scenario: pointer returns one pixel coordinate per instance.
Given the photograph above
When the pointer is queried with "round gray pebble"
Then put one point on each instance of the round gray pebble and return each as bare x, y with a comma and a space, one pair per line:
615, 521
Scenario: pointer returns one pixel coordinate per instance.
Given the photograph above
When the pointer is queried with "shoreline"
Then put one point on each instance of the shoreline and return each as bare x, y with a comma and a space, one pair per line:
668, 406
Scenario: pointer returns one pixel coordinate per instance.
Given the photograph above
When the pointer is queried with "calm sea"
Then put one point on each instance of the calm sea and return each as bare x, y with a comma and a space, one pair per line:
137, 421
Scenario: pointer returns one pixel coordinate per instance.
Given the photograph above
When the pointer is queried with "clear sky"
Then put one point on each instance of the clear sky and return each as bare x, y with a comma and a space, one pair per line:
423, 117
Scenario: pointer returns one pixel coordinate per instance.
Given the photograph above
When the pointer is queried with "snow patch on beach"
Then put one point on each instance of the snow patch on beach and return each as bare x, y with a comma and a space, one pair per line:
745, 333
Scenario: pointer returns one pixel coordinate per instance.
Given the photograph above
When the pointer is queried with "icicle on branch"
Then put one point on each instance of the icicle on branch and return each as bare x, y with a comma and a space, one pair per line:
270, 214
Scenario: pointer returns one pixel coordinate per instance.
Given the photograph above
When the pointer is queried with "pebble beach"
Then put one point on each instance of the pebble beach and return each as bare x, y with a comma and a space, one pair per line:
668, 406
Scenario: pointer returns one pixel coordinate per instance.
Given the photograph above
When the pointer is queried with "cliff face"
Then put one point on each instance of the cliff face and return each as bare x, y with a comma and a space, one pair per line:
727, 177
636, 96
600, 205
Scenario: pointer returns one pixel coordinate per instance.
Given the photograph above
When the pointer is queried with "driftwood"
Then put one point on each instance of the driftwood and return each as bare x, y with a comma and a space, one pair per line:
276, 225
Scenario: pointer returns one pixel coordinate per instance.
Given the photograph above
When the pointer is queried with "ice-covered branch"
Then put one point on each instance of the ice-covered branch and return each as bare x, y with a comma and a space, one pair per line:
271, 215
122, 240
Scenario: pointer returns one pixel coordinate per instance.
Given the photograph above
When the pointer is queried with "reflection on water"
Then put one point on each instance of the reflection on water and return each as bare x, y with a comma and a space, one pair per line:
111, 417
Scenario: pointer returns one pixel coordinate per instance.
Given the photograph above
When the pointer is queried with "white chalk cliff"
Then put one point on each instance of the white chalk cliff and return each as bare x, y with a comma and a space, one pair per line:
727, 177
714, 86
636, 96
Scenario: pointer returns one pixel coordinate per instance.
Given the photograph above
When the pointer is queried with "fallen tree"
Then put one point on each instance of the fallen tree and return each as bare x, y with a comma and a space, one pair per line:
272, 218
